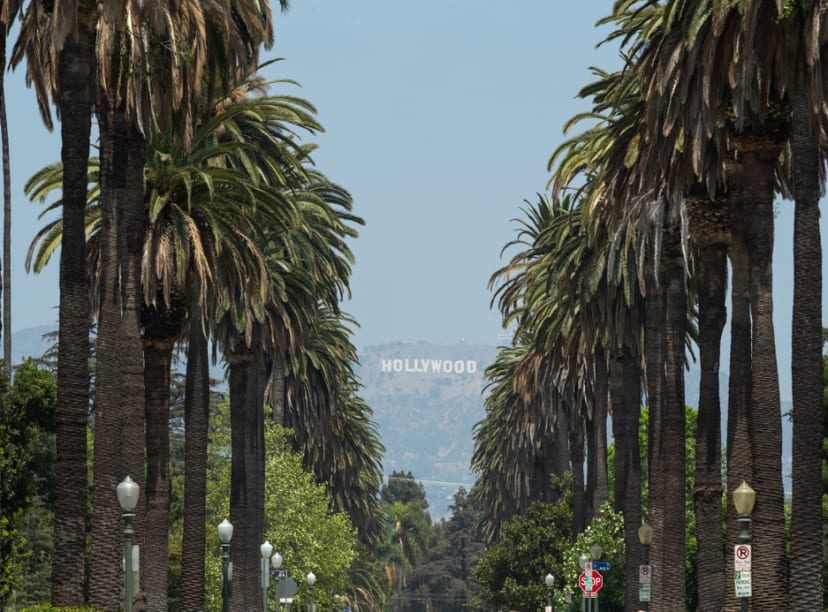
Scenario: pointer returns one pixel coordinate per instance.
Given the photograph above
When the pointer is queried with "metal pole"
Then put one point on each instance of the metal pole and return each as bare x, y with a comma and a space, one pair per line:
265, 581
549, 599
278, 602
225, 581
128, 587
744, 538
311, 607
645, 552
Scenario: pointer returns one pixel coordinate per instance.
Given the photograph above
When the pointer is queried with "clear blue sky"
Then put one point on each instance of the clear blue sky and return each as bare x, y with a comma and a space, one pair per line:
440, 119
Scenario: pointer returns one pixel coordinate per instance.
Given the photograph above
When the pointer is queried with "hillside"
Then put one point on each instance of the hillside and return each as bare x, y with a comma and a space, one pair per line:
426, 399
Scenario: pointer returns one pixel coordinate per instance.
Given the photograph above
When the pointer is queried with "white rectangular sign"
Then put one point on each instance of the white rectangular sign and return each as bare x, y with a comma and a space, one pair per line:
644, 591
743, 588
741, 557
644, 574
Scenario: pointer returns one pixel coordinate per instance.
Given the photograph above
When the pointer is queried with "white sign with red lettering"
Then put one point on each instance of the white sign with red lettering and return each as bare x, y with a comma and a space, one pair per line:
741, 557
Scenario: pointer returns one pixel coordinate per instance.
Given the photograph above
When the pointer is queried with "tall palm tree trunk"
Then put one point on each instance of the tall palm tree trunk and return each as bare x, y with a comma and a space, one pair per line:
4, 134
806, 366
739, 442
627, 489
672, 442
708, 224
770, 567
276, 396
119, 391
246, 477
598, 479
196, 422
162, 325
656, 467
76, 65
155, 552
576, 460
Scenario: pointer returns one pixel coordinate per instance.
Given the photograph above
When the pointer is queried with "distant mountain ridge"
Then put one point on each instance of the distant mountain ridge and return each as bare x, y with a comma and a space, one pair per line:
426, 400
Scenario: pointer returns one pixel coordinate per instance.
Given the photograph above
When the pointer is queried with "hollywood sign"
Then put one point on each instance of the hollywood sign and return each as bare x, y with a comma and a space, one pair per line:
436, 366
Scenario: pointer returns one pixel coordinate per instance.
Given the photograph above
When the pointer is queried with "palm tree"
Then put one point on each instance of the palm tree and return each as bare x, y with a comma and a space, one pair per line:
511, 452
806, 362
197, 211
69, 83
332, 425
690, 60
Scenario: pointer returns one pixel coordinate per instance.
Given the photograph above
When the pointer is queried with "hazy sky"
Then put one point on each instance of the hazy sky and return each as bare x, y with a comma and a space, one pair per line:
440, 119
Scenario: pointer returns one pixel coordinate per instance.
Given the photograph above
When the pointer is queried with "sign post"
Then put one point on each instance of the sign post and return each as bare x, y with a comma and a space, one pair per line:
742, 555
645, 573
590, 582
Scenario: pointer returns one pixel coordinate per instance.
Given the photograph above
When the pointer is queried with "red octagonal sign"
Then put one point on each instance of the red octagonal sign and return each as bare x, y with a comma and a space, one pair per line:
597, 581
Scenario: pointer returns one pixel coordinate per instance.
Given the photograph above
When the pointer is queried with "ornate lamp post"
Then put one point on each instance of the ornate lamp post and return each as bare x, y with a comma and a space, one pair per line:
645, 536
266, 550
127, 492
743, 499
225, 531
276, 562
550, 584
311, 578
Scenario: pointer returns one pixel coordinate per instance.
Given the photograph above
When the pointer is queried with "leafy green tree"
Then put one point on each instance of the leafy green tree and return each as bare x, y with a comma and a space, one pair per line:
606, 530
444, 581
297, 520
407, 537
27, 439
512, 570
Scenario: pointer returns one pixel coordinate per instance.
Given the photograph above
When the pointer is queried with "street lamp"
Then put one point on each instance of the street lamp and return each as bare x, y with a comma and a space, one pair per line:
645, 536
127, 492
225, 531
266, 550
311, 578
276, 562
743, 499
582, 561
550, 583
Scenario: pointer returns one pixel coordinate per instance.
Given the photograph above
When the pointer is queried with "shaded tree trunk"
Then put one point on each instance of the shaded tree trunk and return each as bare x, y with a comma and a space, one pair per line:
806, 366
196, 422
162, 325
655, 358
155, 552
6, 289
119, 392
671, 445
276, 397
597, 478
246, 477
576, 459
770, 566
628, 469
708, 224
76, 64
739, 442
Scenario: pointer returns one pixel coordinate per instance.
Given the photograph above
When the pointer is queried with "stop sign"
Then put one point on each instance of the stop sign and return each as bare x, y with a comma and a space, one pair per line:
595, 578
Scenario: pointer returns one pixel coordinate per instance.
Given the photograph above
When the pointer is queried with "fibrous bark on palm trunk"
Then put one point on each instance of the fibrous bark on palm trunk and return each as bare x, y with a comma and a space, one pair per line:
119, 391
709, 221
806, 366
770, 568
196, 421
246, 382
672, 442
72, 409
